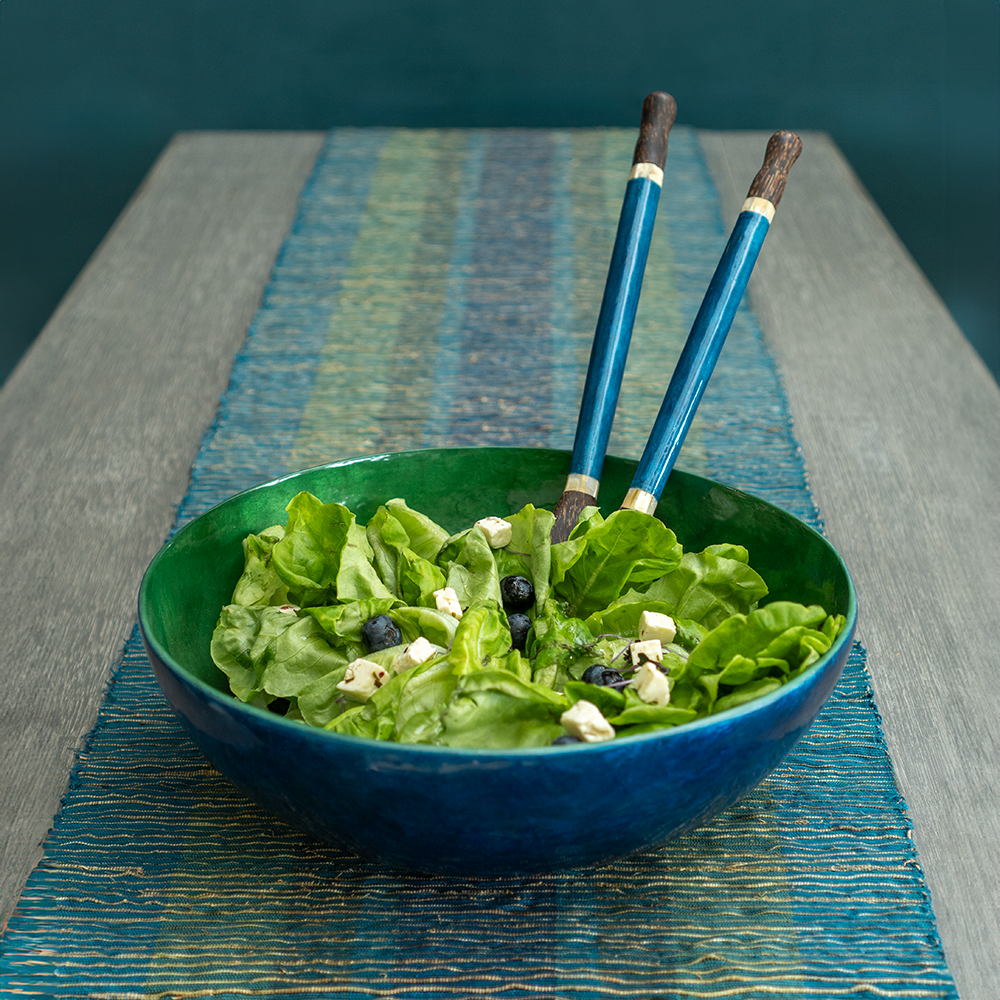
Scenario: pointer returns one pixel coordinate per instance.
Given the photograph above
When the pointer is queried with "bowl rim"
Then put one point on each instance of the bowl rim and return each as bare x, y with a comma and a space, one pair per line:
263, 716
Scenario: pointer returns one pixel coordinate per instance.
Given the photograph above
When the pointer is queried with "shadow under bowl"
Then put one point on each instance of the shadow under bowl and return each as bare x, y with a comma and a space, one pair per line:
483, 812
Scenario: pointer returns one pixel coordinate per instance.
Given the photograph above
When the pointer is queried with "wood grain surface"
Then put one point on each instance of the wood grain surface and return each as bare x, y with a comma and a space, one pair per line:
897, 416
658, 113
99, 425
783, 149
899, 423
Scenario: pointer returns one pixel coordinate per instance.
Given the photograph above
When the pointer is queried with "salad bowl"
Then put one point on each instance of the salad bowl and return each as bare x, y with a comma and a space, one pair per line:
480, 812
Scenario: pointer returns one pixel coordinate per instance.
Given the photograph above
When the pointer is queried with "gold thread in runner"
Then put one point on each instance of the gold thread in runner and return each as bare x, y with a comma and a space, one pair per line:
580, 483
650, 170
759, 205
639, 500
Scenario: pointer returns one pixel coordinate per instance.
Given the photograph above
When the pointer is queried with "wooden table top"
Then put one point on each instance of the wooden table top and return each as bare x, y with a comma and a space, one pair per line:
899, 439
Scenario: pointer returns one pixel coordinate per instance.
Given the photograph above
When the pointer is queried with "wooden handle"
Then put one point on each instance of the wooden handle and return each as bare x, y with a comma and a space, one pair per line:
658, 113
783, 150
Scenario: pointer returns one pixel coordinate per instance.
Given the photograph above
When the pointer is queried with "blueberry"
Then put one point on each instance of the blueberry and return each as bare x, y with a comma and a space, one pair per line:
564, 740
518, 593
519, 626
601, 675
380, 632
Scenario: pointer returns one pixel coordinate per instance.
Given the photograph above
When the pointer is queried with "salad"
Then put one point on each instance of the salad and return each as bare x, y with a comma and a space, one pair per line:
496, 638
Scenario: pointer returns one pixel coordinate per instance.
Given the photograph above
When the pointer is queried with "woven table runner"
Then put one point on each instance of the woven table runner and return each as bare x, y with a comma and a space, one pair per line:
441, 287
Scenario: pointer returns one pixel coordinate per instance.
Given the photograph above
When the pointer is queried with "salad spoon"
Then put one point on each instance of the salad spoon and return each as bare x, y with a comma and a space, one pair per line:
711, 325
617, 314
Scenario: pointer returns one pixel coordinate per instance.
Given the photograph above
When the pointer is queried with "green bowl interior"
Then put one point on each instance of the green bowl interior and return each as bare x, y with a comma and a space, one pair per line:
193, 576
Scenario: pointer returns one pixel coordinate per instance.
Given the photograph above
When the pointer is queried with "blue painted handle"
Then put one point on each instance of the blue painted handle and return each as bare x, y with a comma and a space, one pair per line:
697, 360
614, 326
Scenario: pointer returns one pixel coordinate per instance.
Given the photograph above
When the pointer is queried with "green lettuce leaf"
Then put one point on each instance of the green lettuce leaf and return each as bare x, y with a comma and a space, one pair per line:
387, 538
627, 549
561, 648
299, 655
423, 695
324, 557
494, 709
307, 558
418, 579
411, 705
608, 699
437, 627
425, 537
240, 643
777, 640
472, 573
531, 541
260, 584
518, 665
267, 653
482, 635
636, 712
357, 579
621, 617
321, 702
408, 575
350, 722
746, 693
342, 622
710, 586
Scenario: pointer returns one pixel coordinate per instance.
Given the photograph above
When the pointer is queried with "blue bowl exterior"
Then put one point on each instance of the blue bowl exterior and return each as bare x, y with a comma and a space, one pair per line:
472, 813
479, 813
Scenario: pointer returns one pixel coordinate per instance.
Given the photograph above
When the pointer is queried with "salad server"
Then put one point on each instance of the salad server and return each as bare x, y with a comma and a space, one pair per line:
711, 325
617, 314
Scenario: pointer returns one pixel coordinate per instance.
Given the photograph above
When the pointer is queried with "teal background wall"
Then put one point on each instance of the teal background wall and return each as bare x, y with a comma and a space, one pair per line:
91, 91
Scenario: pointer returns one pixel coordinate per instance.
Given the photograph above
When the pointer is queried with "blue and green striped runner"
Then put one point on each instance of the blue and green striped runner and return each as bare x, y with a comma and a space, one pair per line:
441, 287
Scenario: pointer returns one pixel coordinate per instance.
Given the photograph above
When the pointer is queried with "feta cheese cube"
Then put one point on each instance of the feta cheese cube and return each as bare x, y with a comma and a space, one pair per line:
363, 679
585, 721
642, 652
651, 685
416, 653
653, 625
447, 601
496, 530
